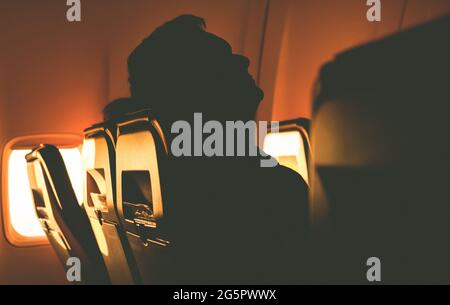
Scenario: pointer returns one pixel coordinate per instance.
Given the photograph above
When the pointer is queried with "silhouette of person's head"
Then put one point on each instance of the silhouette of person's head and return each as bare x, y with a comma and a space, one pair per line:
181, 69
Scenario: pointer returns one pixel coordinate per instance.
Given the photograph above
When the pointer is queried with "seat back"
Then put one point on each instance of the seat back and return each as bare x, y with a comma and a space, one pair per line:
99, 202
62, 218
140, 152
382, 156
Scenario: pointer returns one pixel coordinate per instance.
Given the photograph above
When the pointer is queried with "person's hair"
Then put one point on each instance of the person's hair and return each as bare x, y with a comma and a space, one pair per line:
152, 57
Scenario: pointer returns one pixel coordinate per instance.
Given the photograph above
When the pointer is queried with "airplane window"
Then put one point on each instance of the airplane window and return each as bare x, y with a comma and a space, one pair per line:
22, 214
289, 150
74, 164
21, 210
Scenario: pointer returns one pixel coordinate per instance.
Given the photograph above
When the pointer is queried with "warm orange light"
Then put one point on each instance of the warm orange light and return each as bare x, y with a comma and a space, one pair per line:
289, 150
89, 153
22, 213
74, 164
21, 208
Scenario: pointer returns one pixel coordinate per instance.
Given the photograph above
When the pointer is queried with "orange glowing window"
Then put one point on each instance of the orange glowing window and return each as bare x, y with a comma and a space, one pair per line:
21, 209
22, 224
74, 164
289, 149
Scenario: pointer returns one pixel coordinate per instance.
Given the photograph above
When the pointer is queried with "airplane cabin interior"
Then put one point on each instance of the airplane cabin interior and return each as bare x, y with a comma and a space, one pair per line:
361, 178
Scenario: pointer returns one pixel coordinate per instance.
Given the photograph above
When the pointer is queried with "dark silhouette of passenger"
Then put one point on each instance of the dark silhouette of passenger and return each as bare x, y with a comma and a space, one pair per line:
231, 220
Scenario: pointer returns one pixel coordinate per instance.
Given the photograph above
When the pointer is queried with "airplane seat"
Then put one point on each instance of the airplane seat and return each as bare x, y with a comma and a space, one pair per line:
120, 107
140, 155
381, 157
64, 221
176, 236
99, 202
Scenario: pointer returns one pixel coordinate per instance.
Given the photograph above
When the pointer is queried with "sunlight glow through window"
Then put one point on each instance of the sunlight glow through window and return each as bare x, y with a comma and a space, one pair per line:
288, 148
74, 164
21, 207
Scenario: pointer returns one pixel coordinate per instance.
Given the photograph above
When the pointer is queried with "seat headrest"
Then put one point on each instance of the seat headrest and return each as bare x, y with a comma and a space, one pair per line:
120, 107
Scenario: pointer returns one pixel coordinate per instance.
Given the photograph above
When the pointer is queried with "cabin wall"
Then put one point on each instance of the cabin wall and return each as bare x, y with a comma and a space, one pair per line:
53, 80
420, 11
305, 34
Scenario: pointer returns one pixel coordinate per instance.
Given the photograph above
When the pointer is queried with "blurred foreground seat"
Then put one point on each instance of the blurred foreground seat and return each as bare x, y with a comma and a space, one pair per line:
382, 157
